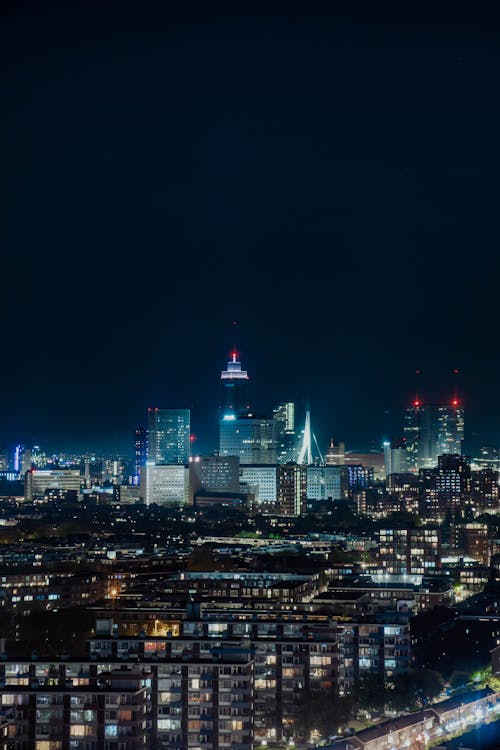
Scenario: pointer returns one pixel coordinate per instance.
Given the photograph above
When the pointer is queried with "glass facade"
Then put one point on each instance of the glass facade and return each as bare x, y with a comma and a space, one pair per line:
169, 432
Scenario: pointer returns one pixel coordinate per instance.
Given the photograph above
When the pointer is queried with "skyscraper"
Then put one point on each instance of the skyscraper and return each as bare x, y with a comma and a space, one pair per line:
284, 415
234, 383
169, 432
446, 488
395, 457
140, 451
432, 430
291, 489
250, 437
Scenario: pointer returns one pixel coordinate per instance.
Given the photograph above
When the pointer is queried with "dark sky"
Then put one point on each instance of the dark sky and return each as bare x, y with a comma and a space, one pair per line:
325, 175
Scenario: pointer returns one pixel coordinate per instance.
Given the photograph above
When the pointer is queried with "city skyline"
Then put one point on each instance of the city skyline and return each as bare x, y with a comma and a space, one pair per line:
324, 177
205, 438
249, 395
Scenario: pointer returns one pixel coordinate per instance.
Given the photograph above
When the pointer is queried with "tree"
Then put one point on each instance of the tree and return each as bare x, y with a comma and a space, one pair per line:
370, 693
412, 690
322, 711
459, 679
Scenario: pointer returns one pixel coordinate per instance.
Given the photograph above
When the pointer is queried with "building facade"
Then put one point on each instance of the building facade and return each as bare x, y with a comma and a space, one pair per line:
165, 484
169, 436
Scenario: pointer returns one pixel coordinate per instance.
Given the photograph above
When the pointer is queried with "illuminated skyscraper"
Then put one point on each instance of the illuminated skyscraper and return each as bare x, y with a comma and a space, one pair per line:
140, 451
432, 430
291, 489
234, 383
167, 484
169, 432
445, 488
395, 457
450, 428
284, 415
250, 437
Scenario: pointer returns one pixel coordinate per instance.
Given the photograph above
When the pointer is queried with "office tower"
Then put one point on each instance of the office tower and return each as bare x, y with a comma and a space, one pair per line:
450, 428
169, 433
16, 458
335, 455
165, 484
140, 449
38, 483
251, 438
234, 386
215, 473
291, 489
410, 551
284, 415
432, 430
324, 482
395, 456
262, 482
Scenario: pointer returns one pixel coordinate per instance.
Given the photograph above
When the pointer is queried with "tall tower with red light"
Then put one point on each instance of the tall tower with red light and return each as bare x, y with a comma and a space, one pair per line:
451, 428
433, 430
234, 387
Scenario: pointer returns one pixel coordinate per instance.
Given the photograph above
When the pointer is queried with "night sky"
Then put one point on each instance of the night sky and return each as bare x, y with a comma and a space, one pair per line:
325, 175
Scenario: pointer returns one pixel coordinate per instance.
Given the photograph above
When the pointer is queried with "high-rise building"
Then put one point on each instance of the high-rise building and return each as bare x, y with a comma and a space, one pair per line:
39, 483
445, 489
262, 482
432, 430
450, 428
165, 484
168, 438
395, 457
140, 450
324, 482
291, 489
215, 473
250, 437
284, 415
234, 386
